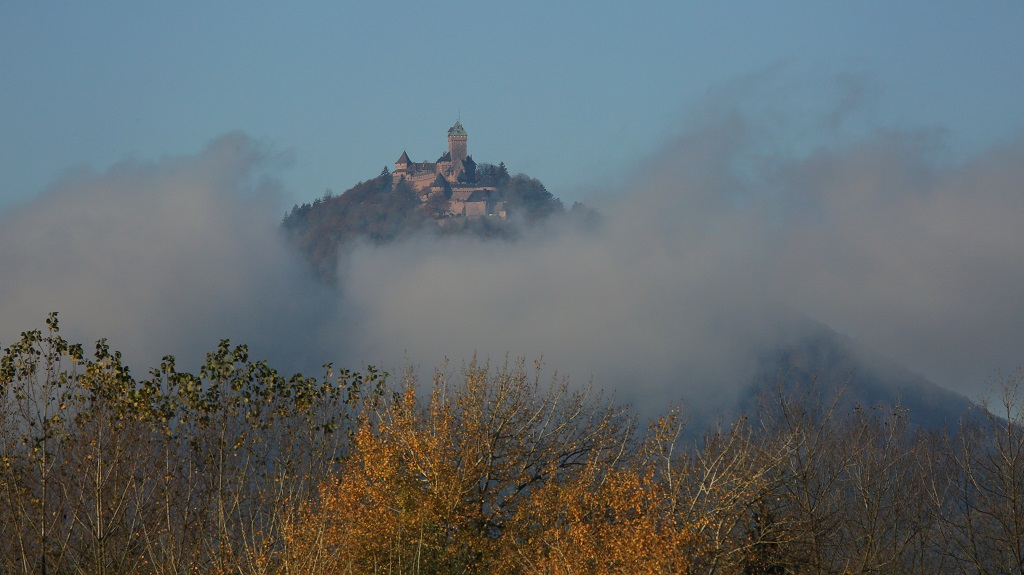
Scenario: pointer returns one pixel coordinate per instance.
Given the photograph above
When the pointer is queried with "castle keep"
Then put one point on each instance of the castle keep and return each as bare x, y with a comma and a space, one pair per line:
450, 181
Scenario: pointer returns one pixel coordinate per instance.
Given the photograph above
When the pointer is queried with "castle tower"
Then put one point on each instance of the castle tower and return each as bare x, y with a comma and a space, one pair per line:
402, 165
457, 144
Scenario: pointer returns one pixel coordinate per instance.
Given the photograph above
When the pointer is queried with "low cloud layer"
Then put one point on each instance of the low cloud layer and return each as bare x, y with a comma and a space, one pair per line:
701, 263
162, 257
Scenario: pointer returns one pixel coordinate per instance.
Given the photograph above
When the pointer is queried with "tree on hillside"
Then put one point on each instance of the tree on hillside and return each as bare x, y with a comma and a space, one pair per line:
528, 197
491, 175
373, 210
436, 205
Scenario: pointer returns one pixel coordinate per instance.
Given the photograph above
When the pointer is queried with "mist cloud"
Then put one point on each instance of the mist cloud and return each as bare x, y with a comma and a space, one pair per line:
716, 253
700, 264
162, 257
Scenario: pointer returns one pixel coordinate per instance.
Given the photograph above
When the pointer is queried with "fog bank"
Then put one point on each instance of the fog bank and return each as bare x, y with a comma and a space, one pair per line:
719, 249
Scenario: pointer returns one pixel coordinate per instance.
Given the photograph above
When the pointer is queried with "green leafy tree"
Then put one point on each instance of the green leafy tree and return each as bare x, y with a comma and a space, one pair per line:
37, 376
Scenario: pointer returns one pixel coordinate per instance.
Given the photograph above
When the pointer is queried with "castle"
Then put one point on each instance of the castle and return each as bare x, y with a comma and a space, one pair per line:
449, 184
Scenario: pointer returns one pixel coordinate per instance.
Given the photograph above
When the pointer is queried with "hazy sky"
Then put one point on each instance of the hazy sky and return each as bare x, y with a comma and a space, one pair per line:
859, 166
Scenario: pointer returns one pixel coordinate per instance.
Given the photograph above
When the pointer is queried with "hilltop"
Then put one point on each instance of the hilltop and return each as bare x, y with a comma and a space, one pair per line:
453, 195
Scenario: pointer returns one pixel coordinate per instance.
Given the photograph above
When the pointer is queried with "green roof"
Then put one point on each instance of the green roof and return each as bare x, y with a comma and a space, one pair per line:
457, 129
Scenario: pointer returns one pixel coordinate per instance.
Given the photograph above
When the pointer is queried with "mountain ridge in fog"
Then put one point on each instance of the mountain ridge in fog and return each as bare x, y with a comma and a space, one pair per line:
841, 371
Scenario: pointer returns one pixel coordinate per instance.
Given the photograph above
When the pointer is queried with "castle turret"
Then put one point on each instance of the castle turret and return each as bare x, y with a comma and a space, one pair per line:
403, 163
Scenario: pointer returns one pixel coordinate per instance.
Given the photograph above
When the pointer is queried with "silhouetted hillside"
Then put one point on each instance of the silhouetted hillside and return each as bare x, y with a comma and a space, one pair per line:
379, 210
827, 363
371, 210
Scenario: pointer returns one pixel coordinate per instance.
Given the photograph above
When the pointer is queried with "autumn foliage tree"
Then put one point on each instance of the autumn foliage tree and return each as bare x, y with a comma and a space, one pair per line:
443, 483
603, 519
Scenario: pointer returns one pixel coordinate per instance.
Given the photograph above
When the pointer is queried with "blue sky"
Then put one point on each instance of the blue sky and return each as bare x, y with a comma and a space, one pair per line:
576, 94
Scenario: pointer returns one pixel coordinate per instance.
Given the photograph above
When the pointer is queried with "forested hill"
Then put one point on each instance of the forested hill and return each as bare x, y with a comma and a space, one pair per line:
377, 211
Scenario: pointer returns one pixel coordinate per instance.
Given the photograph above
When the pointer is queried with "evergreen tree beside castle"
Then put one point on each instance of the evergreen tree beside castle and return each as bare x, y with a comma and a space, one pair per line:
453, 195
